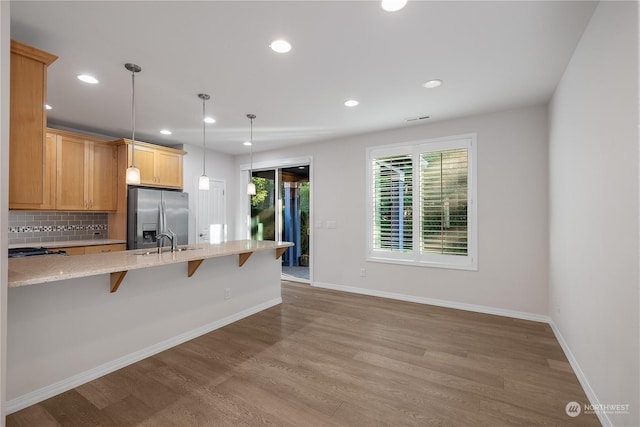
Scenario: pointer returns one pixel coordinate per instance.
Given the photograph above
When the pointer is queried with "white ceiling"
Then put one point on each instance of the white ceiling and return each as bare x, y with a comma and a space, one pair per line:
490, 55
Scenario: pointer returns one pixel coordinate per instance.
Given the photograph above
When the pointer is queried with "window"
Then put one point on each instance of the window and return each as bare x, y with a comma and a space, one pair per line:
422, 206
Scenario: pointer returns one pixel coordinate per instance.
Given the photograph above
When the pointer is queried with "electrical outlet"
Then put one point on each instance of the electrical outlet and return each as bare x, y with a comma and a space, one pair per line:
363, 272
227, 293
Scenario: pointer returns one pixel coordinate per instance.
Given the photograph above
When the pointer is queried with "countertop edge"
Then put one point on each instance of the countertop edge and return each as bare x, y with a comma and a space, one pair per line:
113, 262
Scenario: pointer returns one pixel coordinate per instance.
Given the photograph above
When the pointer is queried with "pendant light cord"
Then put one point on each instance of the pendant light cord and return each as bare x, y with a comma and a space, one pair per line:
204, 147
133, 118
251, 148
133, 105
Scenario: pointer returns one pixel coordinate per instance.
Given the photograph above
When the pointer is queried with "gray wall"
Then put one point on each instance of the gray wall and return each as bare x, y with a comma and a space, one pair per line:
512, 215
594, 280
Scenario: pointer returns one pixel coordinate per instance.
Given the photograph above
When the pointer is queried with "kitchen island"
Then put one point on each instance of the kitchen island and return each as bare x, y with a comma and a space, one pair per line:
36, 270
65, 327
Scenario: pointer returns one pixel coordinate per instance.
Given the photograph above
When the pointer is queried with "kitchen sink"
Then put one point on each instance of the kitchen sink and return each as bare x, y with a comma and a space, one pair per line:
180, 249
164, 250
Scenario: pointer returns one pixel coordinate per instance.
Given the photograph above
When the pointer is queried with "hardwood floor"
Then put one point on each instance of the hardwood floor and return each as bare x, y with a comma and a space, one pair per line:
326, 358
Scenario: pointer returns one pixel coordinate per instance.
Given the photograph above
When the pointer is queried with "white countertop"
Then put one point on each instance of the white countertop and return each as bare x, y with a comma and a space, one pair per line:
67, 244
50, 268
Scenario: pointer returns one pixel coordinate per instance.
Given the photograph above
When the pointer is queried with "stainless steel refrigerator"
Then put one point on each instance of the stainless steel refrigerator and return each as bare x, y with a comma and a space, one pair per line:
151, 212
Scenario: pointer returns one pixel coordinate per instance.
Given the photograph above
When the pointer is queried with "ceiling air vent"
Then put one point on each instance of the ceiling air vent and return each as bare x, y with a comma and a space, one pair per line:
413, 119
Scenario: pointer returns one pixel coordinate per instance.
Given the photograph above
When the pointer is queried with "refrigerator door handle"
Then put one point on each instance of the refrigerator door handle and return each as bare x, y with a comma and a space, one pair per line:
162, 219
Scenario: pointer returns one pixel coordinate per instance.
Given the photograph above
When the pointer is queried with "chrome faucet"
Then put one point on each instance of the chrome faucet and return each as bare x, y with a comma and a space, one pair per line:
172, 238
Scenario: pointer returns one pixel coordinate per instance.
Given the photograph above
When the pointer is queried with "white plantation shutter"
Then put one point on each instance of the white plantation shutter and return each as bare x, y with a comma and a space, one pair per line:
422, 208
392, 221
443, 196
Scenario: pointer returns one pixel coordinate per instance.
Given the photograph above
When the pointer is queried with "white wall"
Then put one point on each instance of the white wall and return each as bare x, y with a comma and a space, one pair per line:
594, 279
4, 190
218, 166
512, 214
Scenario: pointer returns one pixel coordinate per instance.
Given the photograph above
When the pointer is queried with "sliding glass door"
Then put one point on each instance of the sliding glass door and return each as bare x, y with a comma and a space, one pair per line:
263, 205
280, 210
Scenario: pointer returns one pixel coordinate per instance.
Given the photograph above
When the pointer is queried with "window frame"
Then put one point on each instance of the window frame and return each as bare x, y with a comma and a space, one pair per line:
415, 257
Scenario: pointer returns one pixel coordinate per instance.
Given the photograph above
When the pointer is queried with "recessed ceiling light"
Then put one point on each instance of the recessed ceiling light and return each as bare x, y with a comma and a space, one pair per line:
247, 143
280, 46
209, 120
351, 103
87, 79
48, 107
432, 83
165, 132
393, 5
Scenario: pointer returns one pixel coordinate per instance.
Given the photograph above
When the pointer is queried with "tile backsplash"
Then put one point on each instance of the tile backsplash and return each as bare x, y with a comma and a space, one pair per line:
37, 227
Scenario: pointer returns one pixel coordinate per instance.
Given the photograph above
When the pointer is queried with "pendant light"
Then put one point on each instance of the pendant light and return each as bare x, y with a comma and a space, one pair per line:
251, 187
133, 173
203, 183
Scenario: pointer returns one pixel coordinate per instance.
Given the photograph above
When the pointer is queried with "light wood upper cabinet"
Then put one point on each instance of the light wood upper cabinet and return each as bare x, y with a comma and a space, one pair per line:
169, 169
71, 166
86, 174
145, 161
29, 187
103, 183
159, 166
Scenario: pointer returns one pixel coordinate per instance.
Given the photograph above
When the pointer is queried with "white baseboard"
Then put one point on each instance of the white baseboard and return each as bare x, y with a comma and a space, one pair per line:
593, 399
39, 395
582, 379
437, 302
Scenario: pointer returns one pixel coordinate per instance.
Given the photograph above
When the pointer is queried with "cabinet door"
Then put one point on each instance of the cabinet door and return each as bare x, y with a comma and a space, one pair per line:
27, 119
98, 249
169, 169
49, 185
72, 251
72, 158
144, 160
103, 174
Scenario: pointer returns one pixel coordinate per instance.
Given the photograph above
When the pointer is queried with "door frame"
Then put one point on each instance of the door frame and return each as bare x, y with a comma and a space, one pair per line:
244, 226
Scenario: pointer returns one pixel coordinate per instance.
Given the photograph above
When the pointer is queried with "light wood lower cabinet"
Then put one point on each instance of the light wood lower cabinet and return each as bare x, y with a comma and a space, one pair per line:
97, 249
86, 174
94, 249
73, 250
